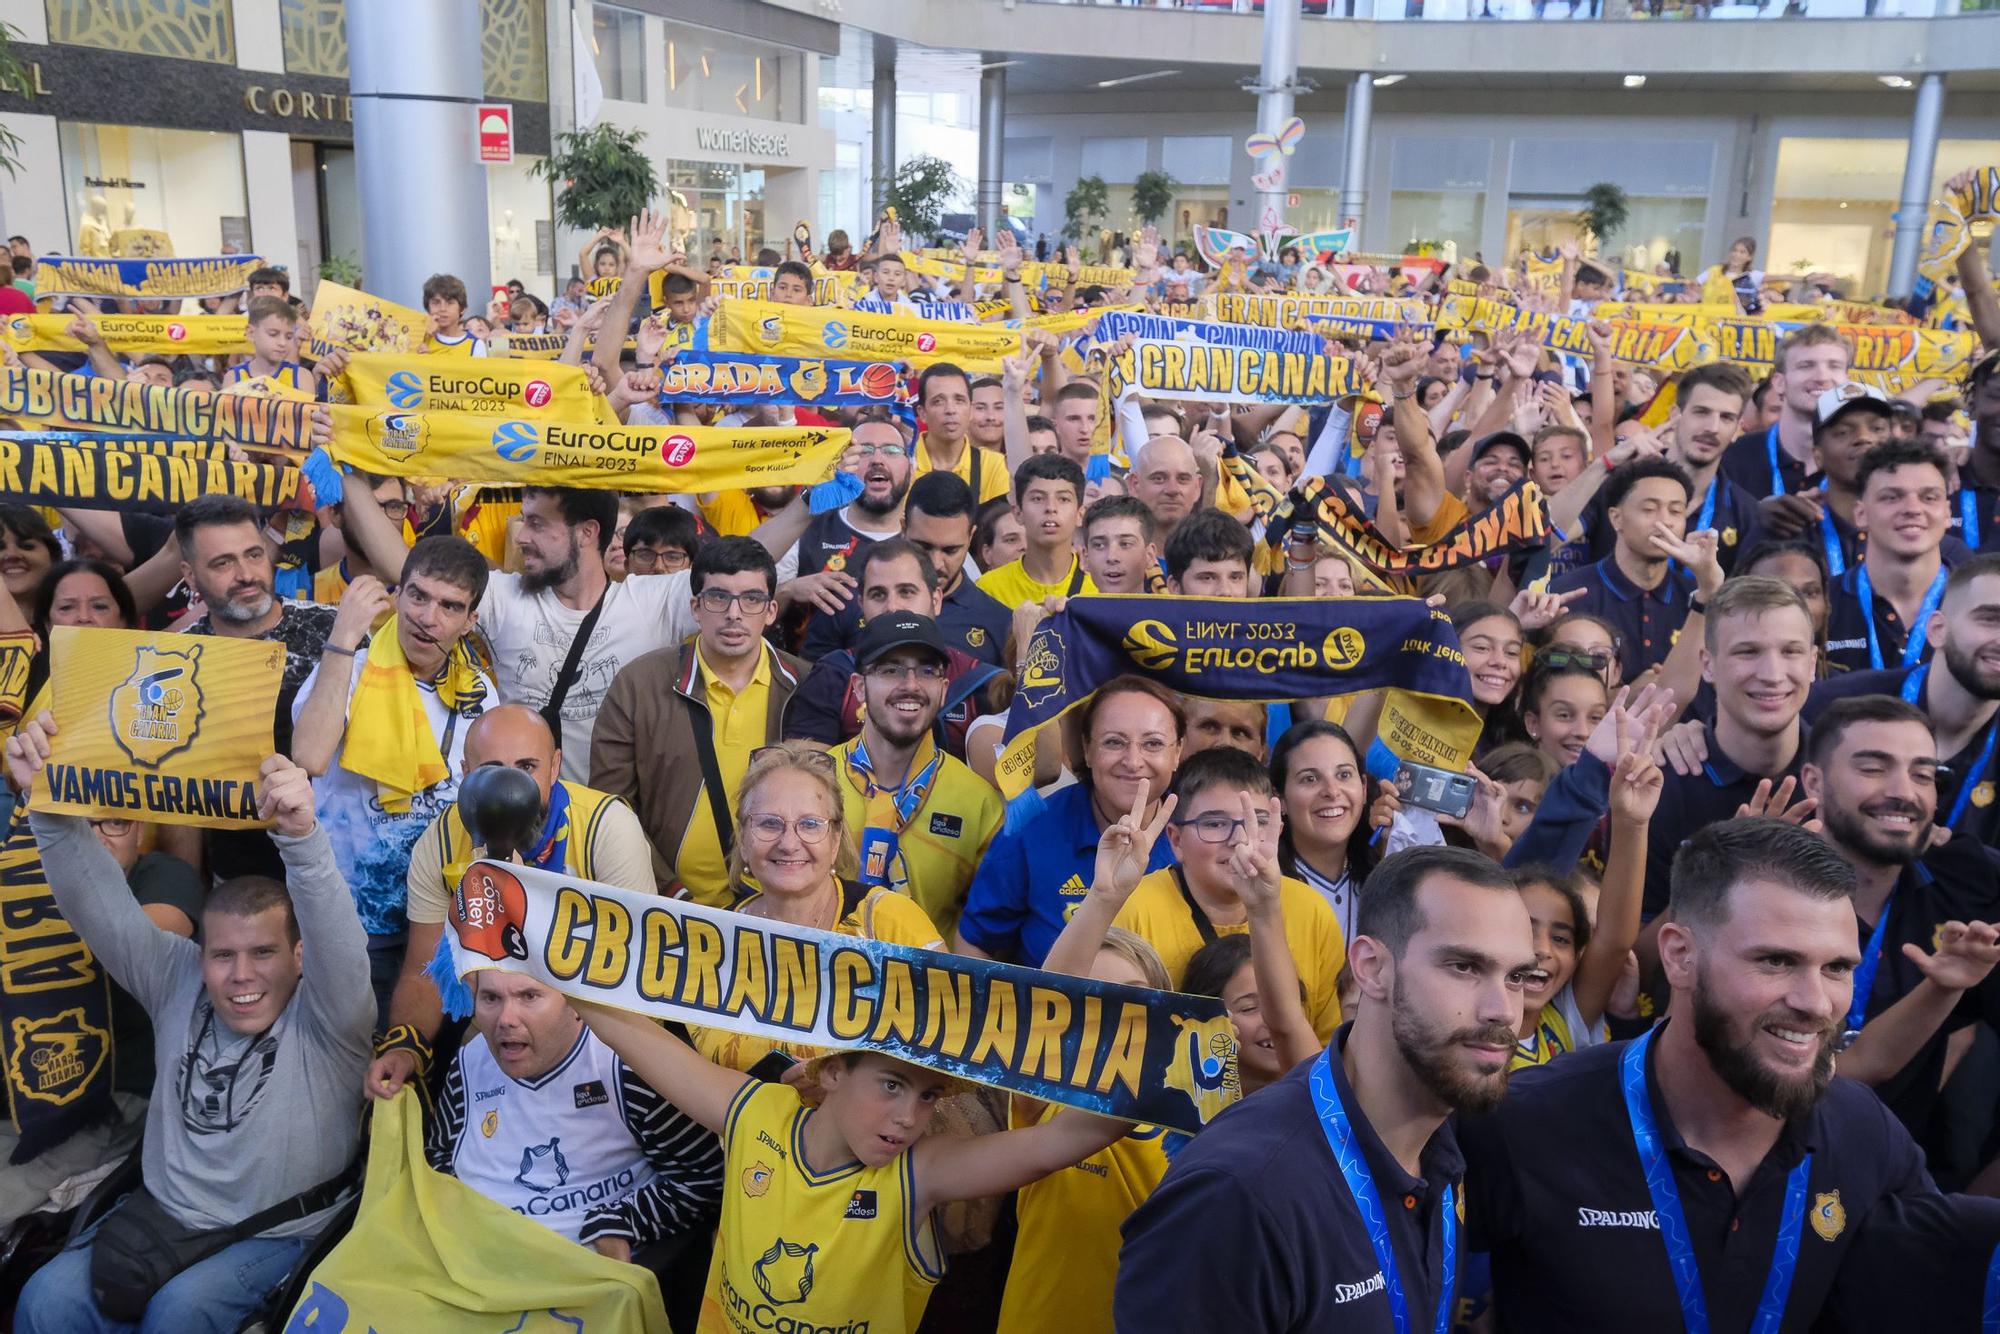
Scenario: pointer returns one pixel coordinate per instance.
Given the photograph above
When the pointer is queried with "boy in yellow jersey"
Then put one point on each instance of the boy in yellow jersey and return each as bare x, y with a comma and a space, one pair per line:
1224, 833
828, 1189
273, 330
1066, 1251
1048, 497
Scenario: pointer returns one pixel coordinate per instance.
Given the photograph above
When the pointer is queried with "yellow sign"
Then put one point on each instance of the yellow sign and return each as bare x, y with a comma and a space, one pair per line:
527, 452
99, 403
811, 331
484, 386
344, 317
1218, 373
161, 727
134, 335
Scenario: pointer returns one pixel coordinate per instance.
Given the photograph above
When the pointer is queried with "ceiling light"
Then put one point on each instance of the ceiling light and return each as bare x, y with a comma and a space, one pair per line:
1893, 81
1388, 80
1635, 81
1137, 78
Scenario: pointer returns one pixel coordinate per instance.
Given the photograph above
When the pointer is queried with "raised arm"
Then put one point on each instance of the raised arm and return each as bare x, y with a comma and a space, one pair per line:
335, 986
1975, 273
1966, 953
321, 718
1254, 869
1635, 794
682, 1075
647, 253
986, 1165
1423, 473
1681, 672
1122, 855
1014, 373
1603, 388
364, 527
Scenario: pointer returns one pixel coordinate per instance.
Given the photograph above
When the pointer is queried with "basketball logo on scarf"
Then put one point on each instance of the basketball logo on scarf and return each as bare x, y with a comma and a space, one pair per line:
53, 1059
157, 711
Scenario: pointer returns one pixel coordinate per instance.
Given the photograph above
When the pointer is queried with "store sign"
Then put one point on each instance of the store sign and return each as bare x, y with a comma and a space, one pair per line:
259, 100
29, 85
742, 142
496, 133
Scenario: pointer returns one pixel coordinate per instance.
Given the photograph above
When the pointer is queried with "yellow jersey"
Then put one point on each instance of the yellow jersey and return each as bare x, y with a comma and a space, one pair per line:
869, 914
1559, 1030
805, 1249
1158, 914
939, 849
984, 470
1066, 1252
1011, 586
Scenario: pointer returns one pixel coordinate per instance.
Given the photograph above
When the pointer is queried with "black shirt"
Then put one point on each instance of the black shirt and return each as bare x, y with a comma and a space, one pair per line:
973, 622
1847, 644
1556, 1194
1747, 462
1254, 1227
1647, 621
1695, 802
1981, 818
1981, 505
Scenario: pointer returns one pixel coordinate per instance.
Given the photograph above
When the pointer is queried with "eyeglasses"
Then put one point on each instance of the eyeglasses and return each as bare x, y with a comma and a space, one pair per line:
768, 829
870, 451
896, 671
113, 827
645, 560
718, 601
1215, 827
396, 510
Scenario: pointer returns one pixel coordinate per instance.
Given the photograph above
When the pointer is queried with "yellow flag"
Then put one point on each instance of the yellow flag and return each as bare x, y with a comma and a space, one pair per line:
161, 727
486, 386
134, 335
344, 317
428, 1252
812, 331
525, 452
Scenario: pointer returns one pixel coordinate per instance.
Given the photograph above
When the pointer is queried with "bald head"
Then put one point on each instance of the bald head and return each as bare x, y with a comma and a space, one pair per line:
518, 737
1166, 479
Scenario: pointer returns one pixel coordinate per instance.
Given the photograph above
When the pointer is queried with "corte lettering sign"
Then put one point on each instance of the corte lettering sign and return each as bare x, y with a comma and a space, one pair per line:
259, 100
742, 141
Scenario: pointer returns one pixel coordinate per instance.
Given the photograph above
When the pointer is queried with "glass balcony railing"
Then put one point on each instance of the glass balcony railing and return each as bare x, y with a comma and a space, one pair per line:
1572, 10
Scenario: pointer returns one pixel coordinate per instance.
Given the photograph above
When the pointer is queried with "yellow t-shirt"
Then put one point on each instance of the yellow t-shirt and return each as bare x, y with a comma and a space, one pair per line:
802, 1246
483, 523
880, 915
1158, 915
741, 726
731, 514
940, 849
1066, 1254
993, 477
1010, 586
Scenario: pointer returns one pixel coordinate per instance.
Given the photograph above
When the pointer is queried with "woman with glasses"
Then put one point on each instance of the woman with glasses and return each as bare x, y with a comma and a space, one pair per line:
794, 862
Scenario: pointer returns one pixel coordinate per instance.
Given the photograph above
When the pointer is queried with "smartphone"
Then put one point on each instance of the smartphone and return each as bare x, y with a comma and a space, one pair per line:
1434, 789
771, 1068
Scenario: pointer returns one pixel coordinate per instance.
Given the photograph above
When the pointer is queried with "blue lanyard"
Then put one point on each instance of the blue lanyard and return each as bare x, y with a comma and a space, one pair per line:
1706, 519
1829, 536
1864, 973
1915, 637
1990, 1321
1968, 517
1673, 1223
1771, 451
1913, 690
1361, 1183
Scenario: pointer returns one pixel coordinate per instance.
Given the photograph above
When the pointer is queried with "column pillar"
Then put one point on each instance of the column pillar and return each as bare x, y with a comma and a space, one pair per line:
1354, 176
414, 145
992, 148
884, 127
1914, 204
1277, 82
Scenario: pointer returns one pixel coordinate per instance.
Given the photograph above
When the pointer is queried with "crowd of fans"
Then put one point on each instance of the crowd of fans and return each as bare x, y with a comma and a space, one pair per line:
1732, 826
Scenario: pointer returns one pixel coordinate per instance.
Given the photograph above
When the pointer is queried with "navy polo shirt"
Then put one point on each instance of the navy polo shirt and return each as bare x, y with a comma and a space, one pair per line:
1032, 878
1982, 813
1920, 1262
971, 621
1844, 546
1847, 625
1555, 1193
1747, 462
1254, 1227
1692, 802
1980, 505
1734, 521
1957, 882
1646, 620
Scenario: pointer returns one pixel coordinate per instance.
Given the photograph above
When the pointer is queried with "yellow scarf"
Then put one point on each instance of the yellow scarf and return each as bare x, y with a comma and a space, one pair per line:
388, 737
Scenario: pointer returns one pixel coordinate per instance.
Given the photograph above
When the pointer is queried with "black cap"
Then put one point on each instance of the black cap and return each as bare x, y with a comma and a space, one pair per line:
898, 629
1514, 438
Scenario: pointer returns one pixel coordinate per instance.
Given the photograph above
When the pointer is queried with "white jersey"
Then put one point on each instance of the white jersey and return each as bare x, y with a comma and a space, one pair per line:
554, 1148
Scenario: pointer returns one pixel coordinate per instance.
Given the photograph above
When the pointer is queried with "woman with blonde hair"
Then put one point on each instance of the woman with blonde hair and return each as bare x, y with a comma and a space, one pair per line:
793, 861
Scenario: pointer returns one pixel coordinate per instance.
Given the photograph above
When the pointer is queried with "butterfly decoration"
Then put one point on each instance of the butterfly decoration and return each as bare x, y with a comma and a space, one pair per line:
1261, 146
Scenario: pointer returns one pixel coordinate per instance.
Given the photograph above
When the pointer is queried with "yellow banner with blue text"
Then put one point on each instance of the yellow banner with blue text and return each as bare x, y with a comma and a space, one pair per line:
485, 386
133, 335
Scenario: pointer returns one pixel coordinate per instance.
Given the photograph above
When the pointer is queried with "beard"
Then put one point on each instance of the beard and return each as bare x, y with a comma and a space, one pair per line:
898, 728
238, 607
551, 575
1783, 1097
1965, 669
1427, 1049
1848, 829
880, 508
